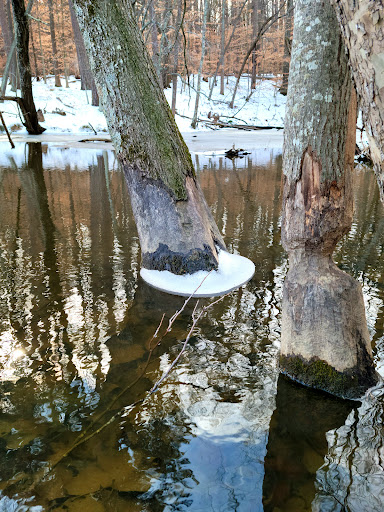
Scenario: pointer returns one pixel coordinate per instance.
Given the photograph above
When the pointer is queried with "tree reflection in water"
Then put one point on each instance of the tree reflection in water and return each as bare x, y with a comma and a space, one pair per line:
352, 477
75, 325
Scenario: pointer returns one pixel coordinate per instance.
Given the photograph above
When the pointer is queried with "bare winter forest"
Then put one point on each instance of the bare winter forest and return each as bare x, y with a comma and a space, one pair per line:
219, 38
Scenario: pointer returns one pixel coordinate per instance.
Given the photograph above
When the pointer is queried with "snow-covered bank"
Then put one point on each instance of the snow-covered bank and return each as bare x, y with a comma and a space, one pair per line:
208, 143
68, 110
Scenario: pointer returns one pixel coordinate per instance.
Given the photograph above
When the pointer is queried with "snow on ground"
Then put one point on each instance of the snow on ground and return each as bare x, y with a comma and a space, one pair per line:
265, 106
234, 271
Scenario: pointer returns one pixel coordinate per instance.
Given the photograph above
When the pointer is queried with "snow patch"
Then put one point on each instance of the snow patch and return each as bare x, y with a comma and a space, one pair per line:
234, 271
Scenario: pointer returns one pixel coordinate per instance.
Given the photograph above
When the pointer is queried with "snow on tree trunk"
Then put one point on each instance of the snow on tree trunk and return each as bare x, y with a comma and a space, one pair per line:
324, 342
362, 25
176, 229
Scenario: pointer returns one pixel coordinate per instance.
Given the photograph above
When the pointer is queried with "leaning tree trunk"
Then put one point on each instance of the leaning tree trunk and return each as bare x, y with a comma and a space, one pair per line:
22, 46
176, 230
362, 25
324, 341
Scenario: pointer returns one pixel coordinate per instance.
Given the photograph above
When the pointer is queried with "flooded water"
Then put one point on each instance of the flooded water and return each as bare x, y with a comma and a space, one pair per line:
78, 429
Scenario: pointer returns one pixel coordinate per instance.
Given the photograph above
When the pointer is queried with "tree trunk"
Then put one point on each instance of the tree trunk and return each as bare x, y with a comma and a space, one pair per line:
6, 29
324, 341
227, 46
287, 47
176, 50
54, 47
176, 230
22, 45
256, 14
264, 27
362, 25
37, 74
63, 44
222, 49
155, 42
203, 43
41, 47
87, 80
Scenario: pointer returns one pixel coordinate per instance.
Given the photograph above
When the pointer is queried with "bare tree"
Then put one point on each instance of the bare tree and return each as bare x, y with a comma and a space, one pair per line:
87, 80
263, 29
203, 47
54, 45
22, 43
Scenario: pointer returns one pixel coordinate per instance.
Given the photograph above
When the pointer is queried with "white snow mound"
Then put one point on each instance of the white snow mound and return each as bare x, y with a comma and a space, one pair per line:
234, 271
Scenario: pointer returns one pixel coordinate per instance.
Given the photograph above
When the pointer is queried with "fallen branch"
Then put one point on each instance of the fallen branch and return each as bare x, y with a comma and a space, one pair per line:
247, 127
6, 131
221, 124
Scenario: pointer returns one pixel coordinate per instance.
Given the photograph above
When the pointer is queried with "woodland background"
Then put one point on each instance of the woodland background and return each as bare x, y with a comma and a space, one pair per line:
216, 37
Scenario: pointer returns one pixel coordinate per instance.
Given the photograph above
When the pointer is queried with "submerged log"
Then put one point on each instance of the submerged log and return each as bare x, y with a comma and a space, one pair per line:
324, 341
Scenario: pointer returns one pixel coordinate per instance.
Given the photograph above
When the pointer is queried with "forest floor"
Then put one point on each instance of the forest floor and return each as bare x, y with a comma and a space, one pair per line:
69, 117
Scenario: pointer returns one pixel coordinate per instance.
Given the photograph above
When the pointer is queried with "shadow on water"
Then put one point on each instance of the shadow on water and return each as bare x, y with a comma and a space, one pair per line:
222, 433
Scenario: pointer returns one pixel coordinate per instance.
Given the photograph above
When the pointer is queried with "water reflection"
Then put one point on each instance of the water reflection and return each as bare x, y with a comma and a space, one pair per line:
76, 324
297, 444
352, 476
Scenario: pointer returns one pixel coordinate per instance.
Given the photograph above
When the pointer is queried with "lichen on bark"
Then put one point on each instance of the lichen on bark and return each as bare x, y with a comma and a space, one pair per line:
324, 330
167, 202
139, 119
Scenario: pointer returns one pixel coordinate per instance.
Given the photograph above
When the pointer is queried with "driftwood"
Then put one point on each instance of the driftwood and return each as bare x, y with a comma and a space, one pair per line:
6, 130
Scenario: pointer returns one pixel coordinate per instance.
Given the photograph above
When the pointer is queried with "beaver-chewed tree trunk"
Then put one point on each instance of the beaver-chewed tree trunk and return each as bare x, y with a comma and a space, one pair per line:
176, 229
324, 342
362, 24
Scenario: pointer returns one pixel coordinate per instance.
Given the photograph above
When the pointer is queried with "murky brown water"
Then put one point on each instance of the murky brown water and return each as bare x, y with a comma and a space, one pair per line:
223, 433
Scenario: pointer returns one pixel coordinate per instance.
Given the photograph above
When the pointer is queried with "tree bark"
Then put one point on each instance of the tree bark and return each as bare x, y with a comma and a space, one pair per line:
6, 30
176, 229
203, 45
54, 46
87, 80
37, 74
287, 46
362, 25
324, 341
22, 45
222, 50
41, 47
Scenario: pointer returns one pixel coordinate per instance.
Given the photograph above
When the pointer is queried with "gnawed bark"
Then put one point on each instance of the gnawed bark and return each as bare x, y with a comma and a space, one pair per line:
175, 227
362, 25
324, 342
